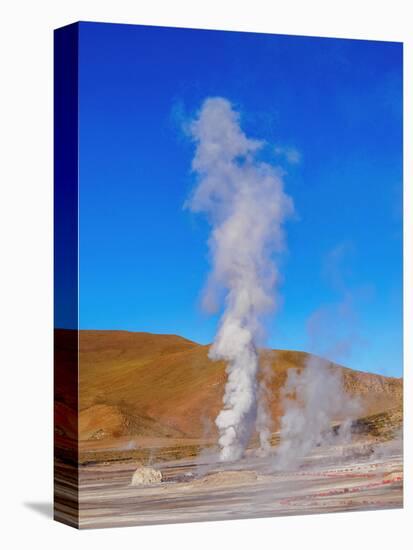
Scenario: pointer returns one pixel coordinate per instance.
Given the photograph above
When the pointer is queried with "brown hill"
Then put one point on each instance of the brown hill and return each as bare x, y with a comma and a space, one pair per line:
140, 384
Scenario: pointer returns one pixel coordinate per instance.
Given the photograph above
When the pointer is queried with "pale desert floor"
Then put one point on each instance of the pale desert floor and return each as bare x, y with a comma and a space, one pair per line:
333, 479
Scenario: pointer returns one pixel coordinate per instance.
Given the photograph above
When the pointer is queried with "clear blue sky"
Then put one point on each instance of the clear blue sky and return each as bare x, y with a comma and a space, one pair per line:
338, 103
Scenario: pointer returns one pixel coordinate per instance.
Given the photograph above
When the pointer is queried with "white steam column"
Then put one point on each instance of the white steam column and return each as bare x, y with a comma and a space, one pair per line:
246, 206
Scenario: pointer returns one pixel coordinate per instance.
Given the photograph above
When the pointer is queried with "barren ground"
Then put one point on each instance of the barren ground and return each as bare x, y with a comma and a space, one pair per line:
330, 480
147, 399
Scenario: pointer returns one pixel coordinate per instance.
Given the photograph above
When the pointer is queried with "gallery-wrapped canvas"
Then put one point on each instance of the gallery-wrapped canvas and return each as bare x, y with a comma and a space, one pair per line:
228, 275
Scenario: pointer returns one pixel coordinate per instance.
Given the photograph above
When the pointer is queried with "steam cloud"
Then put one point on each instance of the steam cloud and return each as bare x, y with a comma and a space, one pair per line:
312, 399
315, 397
246, 206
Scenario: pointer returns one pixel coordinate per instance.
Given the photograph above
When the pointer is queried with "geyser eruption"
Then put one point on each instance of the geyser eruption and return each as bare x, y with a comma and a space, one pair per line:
315, 398
312, 400
246, 206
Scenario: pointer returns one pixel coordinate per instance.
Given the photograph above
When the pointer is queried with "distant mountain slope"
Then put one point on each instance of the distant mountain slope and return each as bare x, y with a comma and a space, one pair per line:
164, 385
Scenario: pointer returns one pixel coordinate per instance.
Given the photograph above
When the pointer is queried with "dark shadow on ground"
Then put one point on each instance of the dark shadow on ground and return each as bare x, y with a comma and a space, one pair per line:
43, 508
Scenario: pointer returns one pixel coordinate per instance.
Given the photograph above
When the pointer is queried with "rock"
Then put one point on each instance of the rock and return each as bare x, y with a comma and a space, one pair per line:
146, 476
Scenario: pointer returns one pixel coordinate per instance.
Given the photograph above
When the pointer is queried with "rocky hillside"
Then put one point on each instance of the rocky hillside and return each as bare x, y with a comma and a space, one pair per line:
140, 384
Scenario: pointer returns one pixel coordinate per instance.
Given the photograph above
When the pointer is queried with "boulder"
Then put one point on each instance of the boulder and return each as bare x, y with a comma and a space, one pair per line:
146, 476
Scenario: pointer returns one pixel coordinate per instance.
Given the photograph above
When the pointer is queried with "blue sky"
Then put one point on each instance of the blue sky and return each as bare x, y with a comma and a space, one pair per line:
330, 111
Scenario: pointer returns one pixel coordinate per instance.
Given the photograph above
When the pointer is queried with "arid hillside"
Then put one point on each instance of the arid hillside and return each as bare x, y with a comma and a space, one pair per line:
147, 385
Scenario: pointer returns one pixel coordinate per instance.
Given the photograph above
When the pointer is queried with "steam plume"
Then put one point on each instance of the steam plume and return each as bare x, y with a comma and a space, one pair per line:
312, 399
246, 206
315, 397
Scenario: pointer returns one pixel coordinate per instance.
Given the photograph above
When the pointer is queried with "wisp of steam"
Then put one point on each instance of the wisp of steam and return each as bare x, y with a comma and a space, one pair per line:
312, 399
246, 205
315, 398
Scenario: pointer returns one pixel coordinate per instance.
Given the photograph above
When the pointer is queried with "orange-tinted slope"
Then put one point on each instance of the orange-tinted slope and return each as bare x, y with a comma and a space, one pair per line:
142, 384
